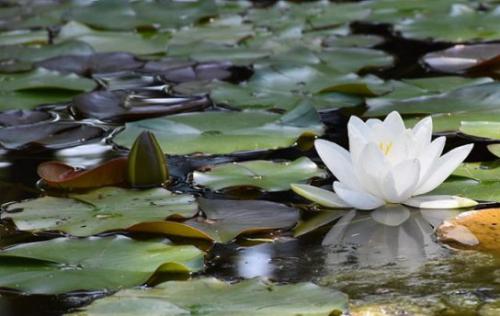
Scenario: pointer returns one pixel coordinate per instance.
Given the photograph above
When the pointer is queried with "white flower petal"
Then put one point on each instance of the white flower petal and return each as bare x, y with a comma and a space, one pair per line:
358, 199
429, 156
440, 202
371, 168
401, 181
322, 197
359, 135
394, 123
338, 160
443, 168
422, 133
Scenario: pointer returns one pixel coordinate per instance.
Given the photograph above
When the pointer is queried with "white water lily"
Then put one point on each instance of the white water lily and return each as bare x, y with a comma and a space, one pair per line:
387, 163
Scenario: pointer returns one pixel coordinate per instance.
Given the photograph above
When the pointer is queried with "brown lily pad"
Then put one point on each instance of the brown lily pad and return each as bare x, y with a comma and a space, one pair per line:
60, 175
476, 230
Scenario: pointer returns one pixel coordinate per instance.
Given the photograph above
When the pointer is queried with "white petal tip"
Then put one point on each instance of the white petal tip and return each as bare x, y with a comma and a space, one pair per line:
440, 202
322, 197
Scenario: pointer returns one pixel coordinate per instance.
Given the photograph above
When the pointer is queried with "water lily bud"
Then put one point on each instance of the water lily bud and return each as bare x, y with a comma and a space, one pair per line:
147, 165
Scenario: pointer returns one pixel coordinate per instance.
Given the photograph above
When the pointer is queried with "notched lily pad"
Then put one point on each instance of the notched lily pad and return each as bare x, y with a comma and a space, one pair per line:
227, 219
225, 132
47, 135
255, 297
481, 171
91, 264
101, 210
266, 175
123, 106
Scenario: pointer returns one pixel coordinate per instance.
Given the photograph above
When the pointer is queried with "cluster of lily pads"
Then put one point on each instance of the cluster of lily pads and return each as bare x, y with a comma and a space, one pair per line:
201, 100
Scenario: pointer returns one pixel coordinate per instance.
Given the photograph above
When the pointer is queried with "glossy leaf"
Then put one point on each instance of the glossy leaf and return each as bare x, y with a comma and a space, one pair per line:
101, 210
227, 219
266, 175
41, 52
59, 175
91, 264
472, 189
225, 132
483, 129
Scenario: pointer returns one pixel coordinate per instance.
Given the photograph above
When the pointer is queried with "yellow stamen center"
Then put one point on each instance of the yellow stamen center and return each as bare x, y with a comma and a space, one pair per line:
385, 148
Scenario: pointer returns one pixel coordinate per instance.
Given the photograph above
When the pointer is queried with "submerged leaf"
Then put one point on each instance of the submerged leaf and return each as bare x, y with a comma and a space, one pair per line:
91, 264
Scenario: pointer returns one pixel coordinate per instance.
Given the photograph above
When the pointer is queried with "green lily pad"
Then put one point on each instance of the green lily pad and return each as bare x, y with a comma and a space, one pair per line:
474, 98
99, 264
483, 129
450, 122
481, 171
28, 99
266, 175
101, 210
255, 297
338, 13
353, 40
24, 37
38, 53
283, 87
227, 219
494, 149
109, 41
469, 188
45, 79
225, 132
463, 26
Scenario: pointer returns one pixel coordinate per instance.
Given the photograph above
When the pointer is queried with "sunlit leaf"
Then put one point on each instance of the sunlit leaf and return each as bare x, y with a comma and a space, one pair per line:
472, 189
101, 210
266, 175
483, 129
103, 264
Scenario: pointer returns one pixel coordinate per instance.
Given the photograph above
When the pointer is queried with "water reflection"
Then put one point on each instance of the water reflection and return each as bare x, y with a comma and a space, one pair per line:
394, 235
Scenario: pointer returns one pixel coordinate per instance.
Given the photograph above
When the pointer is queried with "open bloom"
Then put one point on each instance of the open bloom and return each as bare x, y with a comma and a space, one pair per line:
387, 163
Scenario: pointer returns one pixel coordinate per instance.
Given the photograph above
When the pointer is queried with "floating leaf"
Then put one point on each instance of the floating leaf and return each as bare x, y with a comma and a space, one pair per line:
34, 53
101, 210
472, 189
227, 219
23, 117
225, 132
45, 79
24, 37
28, 99
450, 122
86, 65
266, 175
462, 58
465, 26
318, 220
147, 165
60, 175
481, 171
494, 149
255, 297
47, 135
483, 129
478, 230
480, 97
93, 264
120, 106
109, 41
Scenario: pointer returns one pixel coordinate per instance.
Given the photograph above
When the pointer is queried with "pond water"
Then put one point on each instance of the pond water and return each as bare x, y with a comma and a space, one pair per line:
386, 263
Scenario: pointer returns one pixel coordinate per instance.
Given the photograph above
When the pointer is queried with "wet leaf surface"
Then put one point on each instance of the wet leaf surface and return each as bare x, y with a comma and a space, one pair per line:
96, 264
101, 210
266, 175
